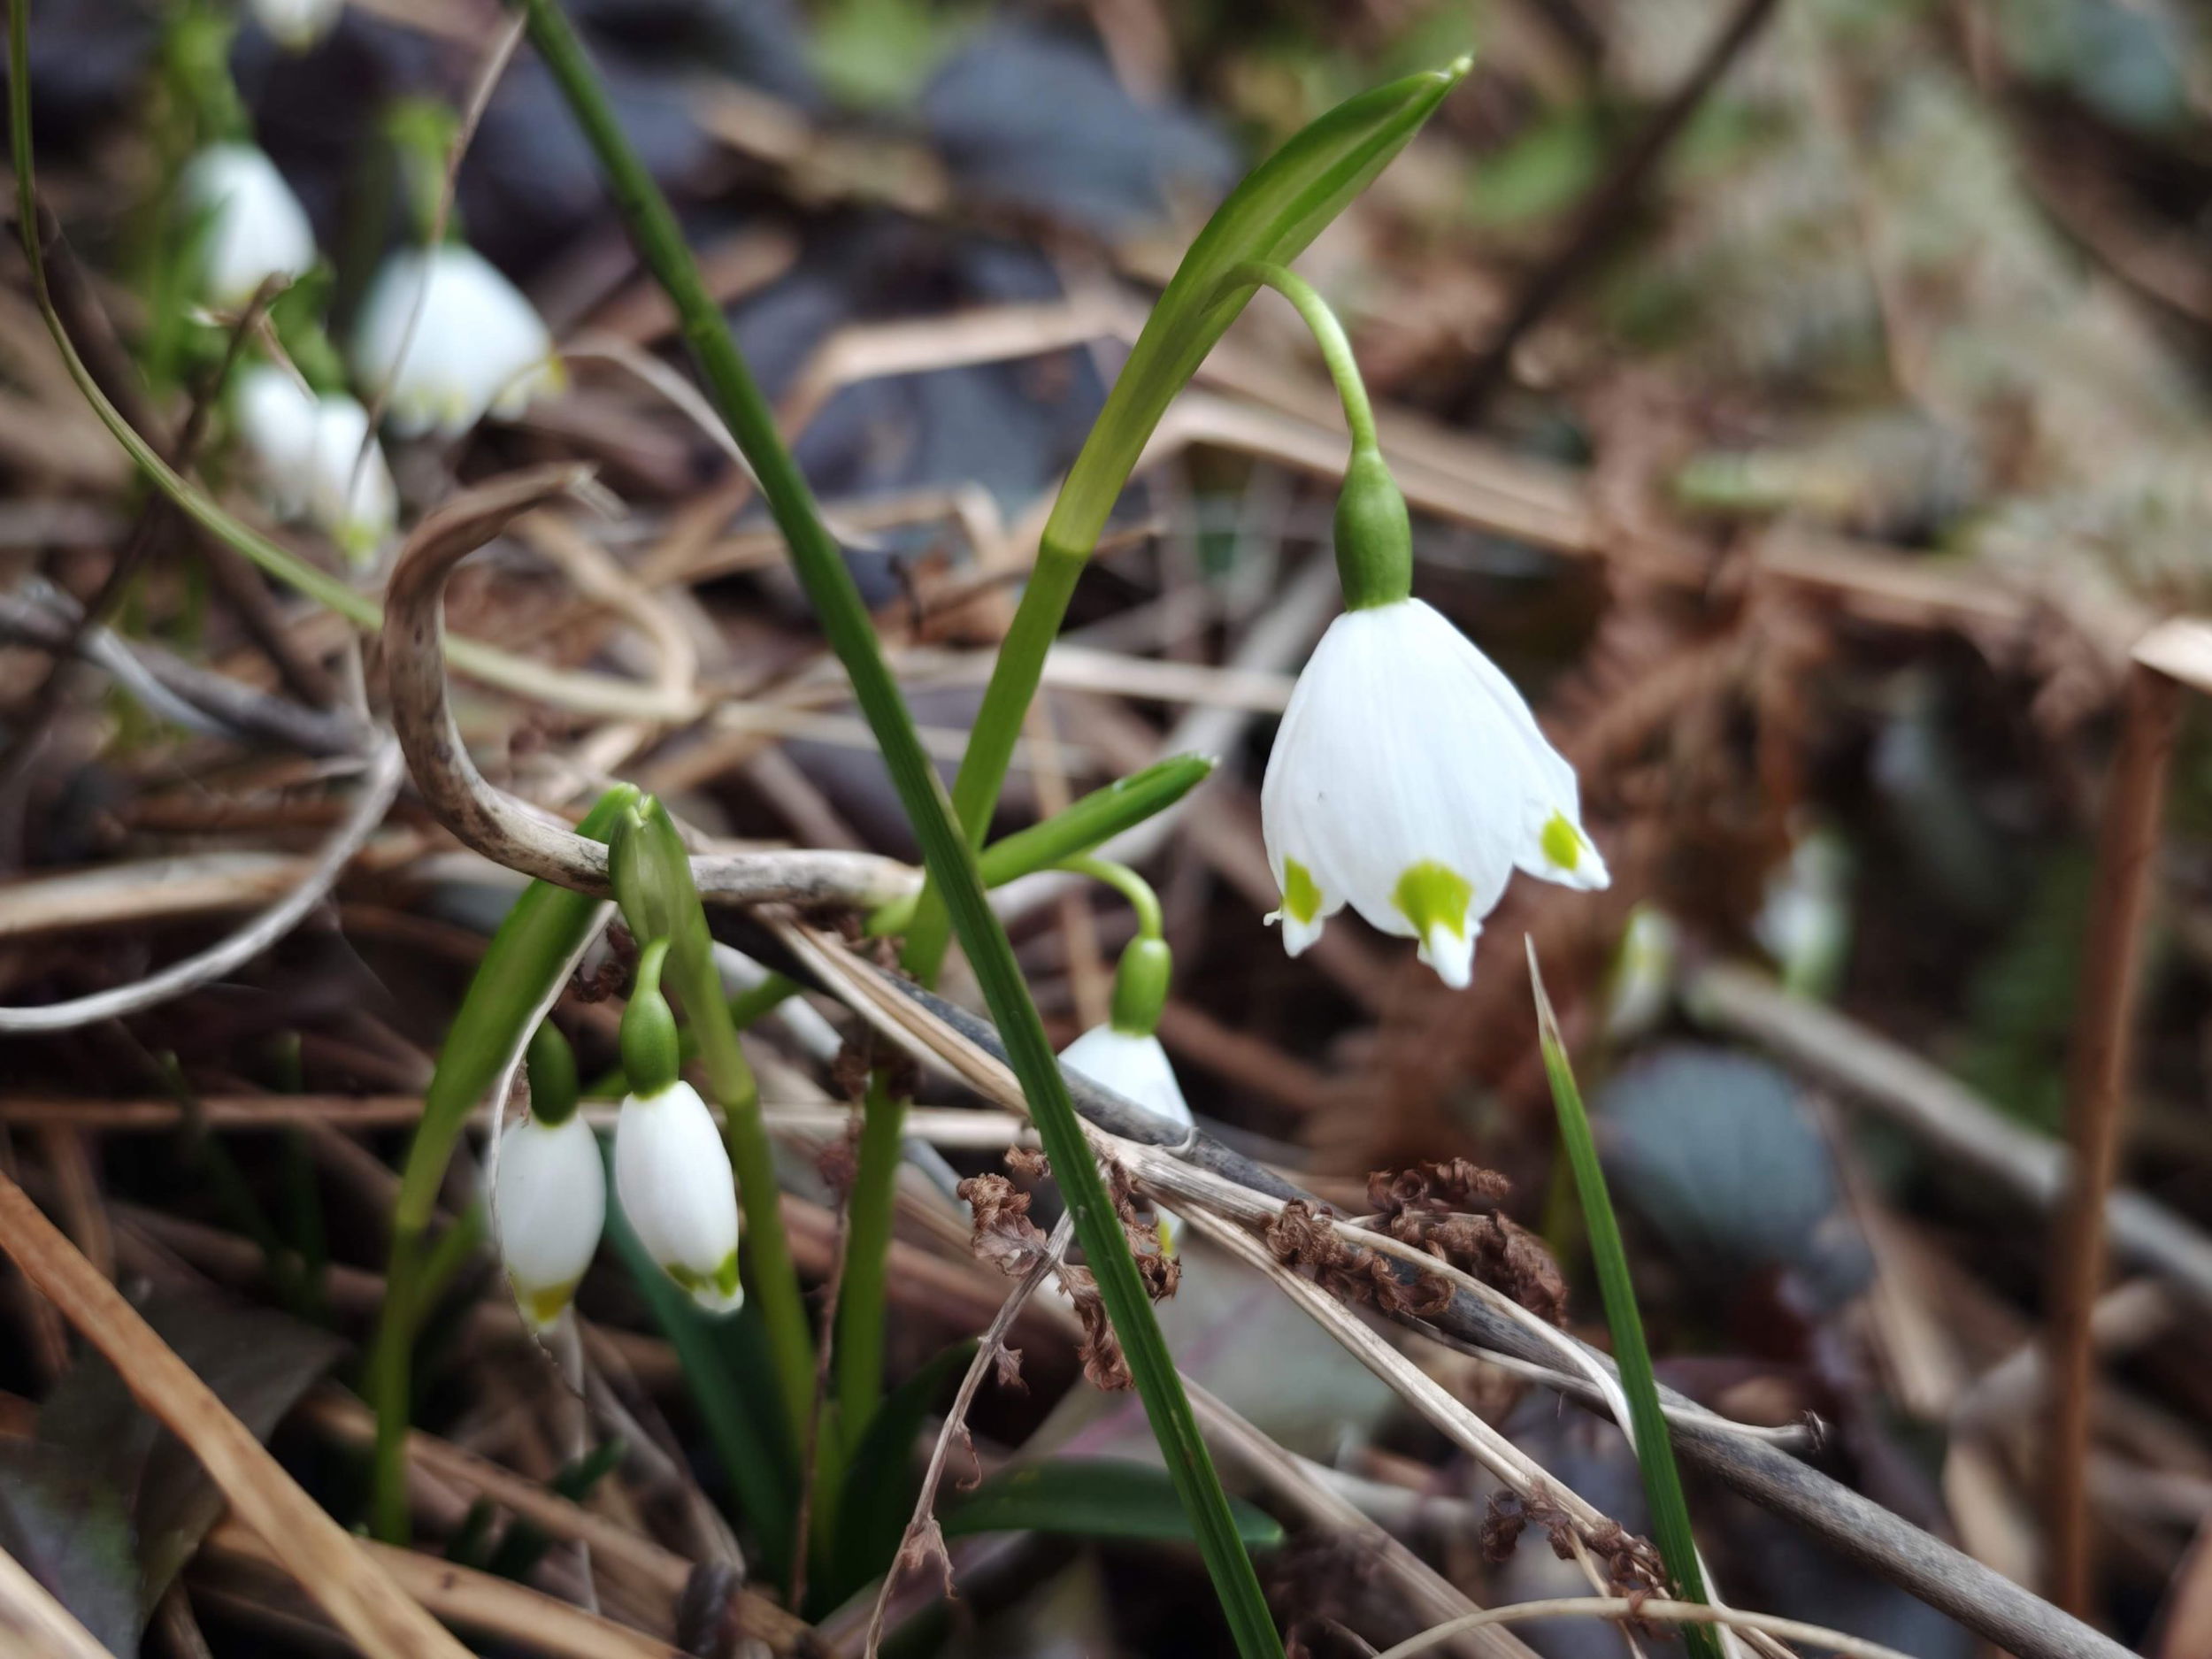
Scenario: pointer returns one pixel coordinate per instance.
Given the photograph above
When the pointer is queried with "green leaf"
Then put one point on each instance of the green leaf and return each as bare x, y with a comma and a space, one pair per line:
67, 1521
1654, 1451
1091, 1498
1281, 206
734, 1390
881, 1481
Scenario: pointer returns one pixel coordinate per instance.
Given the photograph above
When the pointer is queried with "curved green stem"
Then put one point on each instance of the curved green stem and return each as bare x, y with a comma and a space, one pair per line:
1134, 888
1328, 334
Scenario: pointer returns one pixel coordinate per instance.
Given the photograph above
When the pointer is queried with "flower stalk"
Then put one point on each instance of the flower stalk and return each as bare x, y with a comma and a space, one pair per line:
946, 845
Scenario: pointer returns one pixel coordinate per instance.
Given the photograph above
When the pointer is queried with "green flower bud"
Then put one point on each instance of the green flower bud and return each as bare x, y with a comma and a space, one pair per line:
1140, 986
651, 1055
553, 1087
1374, 536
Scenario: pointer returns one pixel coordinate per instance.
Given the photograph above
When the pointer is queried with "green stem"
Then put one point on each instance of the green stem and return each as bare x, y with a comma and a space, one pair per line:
1134, 888
862, 1296
1632, 1355
950, 857
1328, 334
652, 877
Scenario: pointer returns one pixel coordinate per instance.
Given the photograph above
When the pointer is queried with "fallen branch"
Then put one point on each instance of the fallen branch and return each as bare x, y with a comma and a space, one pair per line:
379, 787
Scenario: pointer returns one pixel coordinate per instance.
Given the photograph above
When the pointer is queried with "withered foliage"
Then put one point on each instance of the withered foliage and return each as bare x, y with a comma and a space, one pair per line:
1450, 1208
1632, 1565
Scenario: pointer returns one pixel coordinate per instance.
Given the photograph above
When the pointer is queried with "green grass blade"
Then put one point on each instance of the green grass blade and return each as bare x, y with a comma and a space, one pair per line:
951, 860
1655, 1451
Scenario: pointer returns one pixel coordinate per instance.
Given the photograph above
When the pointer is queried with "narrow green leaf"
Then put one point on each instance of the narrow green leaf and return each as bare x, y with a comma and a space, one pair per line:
1090, 1498
1281, 206
741, 1414
1655, 1451
884, 1476
820, 568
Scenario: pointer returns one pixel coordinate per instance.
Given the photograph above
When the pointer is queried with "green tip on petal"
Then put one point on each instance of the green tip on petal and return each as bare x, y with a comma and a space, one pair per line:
718, 1292
543, 1306
1302, 894
1561, 842
1432, 898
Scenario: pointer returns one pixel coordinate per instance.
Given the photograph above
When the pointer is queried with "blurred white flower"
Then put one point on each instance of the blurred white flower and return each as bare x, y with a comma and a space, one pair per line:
1409, 780
673, 1175
548, 1202
477, 345
296, 25
1804, 921
303, 451
1641, 987
250, 224
350, 496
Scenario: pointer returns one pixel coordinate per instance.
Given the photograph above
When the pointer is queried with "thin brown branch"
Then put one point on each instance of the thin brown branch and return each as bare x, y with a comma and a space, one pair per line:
2103, 1048
356, 1593
497, 824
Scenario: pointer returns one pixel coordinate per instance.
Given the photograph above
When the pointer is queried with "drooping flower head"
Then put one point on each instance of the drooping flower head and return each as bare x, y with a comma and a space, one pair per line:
670, 1169
250, 225
307, 459
549, 1191
477, 346
1125, 1055
1409, 779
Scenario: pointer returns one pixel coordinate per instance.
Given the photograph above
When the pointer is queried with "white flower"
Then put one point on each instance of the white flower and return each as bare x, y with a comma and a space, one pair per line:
350, 496
673, 1178
548, 1202
1804, 921
477, 346
1409, 781
276, 417
296, 25
1134, 1067
1642, 987
303, 452
251, 226
1138, 1069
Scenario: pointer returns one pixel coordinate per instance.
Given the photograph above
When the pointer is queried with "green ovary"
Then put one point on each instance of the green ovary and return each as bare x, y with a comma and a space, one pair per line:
1561, 842
1302, 895
1430, 897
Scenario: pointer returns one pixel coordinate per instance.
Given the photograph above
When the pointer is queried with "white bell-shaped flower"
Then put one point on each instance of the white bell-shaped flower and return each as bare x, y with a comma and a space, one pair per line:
549, 1203
250, 224
350, 496
276, 417
673, 1175
296, 25
1409, 780
477, 346
1134, 1067
306, 455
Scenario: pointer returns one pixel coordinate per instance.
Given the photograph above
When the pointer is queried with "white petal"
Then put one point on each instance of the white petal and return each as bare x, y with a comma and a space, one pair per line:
350, 495
275, 419
1135, 1067
296, 25
1390, 756
251, 225
550, 1204
1451, 953
476, 345
673, 1175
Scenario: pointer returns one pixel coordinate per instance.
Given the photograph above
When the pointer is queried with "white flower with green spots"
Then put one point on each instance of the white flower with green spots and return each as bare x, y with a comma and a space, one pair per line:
476, 345
250, 225
1136, 1067
548, 1202
1409, 781
306, 455
673, 1178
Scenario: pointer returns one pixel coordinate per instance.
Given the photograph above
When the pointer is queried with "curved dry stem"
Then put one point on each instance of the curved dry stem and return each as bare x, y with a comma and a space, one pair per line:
509, 831
378, 788
1627, 1609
